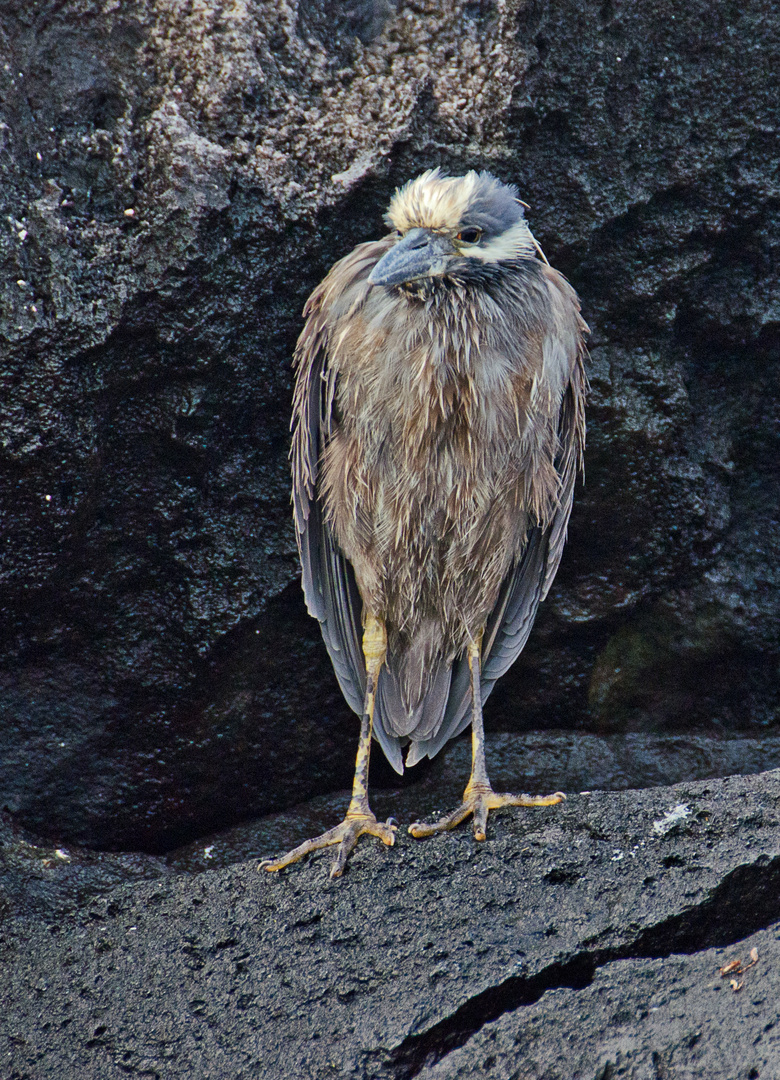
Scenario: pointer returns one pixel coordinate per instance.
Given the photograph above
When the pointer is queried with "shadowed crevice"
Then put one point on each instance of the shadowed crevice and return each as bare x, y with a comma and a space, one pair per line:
747, 900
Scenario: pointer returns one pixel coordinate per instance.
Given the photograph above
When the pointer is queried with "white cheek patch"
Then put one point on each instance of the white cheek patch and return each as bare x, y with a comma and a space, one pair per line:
512, 244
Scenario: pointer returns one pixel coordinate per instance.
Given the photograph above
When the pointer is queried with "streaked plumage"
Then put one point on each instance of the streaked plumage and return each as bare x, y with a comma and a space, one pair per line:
438, 427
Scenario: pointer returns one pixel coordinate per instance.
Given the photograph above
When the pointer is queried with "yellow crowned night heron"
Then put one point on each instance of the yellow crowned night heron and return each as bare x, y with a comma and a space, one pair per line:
438, 428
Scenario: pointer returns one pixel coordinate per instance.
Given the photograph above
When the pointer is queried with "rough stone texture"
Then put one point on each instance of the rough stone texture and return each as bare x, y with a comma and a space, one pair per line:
537, 763
578, 941
175, 178
38, 879
672, 1017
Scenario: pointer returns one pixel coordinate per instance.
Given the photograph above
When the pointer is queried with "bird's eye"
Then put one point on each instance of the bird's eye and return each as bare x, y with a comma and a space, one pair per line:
470, 236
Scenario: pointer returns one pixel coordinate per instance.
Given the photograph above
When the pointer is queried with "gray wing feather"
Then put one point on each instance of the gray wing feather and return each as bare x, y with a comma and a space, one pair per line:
571, 433
328, 581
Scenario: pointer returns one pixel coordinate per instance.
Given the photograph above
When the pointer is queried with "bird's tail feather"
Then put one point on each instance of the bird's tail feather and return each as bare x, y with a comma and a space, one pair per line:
410, 706
391, 744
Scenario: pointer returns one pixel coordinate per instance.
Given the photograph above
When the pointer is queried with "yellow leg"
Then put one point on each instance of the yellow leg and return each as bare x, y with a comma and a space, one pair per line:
479, 798
360, 818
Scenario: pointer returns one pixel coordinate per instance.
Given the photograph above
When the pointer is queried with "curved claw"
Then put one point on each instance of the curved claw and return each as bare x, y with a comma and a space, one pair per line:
384, 832
420, 829
346, 835
480, 802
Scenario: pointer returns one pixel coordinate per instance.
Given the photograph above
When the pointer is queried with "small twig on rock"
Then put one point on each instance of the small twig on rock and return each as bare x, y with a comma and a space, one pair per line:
734, 967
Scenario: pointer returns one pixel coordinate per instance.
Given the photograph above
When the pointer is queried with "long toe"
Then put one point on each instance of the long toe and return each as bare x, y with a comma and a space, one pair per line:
332, 836
346, 835
481, 810
480, 803
421, 829
384, 831
346, 847
496, 801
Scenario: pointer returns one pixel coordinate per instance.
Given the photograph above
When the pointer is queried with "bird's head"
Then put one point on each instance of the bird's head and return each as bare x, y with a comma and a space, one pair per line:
452, 225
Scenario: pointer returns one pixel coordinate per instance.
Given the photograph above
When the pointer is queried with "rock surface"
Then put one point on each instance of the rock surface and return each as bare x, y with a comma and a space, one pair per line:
537, 763
40, 880
174, 180
578, 941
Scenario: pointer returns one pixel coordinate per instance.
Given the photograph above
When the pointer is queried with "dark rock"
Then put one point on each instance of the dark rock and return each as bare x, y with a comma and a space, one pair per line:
577, 941
43, 881
672, 1017
536, 763
174, 182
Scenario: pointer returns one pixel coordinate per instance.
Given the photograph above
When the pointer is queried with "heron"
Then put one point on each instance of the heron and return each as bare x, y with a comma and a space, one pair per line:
438, 430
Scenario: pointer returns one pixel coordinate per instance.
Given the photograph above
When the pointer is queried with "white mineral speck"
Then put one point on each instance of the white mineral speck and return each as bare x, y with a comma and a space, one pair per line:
671, 818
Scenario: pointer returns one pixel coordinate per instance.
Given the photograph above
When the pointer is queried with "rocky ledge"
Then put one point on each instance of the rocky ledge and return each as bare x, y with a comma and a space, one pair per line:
586, 940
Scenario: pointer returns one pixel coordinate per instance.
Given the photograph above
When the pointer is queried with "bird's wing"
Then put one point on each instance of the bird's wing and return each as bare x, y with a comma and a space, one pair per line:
529, 580
328, 580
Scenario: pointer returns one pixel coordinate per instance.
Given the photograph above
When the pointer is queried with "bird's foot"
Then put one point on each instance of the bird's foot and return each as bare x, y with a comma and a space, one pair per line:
479, 800
346, 835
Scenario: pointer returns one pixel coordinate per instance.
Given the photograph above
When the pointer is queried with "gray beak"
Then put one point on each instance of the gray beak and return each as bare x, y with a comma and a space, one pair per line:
418, 254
